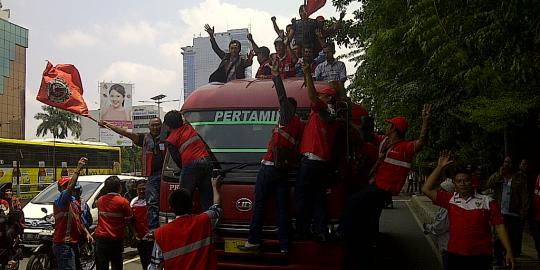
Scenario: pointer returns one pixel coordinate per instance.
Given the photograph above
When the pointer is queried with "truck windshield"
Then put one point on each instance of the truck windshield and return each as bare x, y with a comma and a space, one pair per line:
235, 136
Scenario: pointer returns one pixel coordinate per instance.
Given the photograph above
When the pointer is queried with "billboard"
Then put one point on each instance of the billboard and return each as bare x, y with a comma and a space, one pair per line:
115, 108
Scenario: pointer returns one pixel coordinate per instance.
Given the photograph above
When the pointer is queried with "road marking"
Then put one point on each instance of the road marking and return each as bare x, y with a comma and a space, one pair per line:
428, 238
132, 260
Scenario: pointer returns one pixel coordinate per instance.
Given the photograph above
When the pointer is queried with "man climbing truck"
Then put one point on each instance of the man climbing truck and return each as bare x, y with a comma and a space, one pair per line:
236, 120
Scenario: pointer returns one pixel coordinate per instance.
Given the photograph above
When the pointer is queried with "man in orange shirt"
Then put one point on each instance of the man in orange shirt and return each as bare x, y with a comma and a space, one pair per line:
68, 226
114, 213
186, 242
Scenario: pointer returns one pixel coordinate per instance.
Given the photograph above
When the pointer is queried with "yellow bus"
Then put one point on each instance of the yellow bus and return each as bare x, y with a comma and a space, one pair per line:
33, 165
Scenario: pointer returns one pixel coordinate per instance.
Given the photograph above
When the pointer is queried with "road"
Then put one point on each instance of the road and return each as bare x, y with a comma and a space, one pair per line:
402, 245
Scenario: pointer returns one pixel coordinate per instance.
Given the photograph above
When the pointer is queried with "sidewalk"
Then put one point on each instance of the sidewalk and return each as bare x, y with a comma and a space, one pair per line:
425, 210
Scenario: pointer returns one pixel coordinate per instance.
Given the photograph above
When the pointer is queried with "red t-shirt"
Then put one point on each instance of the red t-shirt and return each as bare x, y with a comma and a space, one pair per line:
318, 137
391, 174
113, 212
138, 206
470, 222
189, 144
287, 65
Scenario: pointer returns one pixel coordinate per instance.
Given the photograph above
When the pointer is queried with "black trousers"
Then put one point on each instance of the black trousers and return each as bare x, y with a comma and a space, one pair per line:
109, 251
460, 262
145, 252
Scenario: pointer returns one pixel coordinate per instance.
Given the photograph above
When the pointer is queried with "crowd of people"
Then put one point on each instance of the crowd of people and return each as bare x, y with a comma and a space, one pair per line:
372, 166
305, 40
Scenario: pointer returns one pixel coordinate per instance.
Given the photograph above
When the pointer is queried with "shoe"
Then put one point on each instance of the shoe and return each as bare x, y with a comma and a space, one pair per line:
249, 246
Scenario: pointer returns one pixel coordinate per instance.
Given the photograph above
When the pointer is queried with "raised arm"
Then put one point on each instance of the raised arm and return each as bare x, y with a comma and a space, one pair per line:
429, 187
422, 141
253, 44
285, 111
215, 46
279, 32
75, 176
132, 136
308, 79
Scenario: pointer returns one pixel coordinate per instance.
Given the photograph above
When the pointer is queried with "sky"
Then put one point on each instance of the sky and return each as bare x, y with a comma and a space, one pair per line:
135, 41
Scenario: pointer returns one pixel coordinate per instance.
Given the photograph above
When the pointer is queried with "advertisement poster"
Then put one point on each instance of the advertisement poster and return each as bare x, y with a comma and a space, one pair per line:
115, 108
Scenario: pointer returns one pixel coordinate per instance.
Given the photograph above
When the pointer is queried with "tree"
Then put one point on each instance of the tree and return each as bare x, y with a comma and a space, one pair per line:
477, 61
58, 122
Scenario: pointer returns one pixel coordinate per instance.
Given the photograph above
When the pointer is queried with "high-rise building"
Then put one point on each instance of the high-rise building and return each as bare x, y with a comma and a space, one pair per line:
13, 44
200, 60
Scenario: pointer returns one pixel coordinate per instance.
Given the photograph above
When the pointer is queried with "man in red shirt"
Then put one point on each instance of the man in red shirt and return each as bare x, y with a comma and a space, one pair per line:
68, 226
114, 213
138, 206
471, 216
275, 165
191, 154
315, 147
363, 210
285, 58
186, 242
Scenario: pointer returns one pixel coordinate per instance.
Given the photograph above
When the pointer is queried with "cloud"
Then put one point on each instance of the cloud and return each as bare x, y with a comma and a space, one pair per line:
141, 33
77, 38
148, 80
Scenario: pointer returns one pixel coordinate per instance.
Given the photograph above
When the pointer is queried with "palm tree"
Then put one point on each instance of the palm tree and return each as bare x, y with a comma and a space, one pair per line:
58, 122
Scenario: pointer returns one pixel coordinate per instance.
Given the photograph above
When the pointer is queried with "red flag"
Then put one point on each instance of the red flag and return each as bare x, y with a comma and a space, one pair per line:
314, 5
61, 87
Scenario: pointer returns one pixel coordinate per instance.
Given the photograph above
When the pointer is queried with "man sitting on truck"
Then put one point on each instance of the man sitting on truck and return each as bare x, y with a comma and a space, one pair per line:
315, 147
191, 154
272, 176
186, 242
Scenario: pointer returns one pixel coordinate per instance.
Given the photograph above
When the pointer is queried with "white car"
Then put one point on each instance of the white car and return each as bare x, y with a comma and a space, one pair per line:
91, 185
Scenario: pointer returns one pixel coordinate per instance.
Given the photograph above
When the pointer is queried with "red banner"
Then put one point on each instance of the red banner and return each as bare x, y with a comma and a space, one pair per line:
61, 87
314, 5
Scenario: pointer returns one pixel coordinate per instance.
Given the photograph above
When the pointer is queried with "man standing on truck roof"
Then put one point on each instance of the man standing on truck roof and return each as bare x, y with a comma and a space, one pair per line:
276, 163
153, 155
315, 147
191, 154
186, 242
233, 65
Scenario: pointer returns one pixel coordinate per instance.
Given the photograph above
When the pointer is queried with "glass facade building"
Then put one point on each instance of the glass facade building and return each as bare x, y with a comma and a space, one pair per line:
13, 44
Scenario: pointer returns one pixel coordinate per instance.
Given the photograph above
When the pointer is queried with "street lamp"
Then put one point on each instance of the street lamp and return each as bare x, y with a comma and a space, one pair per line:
158, 100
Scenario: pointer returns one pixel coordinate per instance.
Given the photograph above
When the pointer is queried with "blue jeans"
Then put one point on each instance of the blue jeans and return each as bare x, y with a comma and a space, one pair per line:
152, 200
270, 181
65, 256
198, 174
310, 194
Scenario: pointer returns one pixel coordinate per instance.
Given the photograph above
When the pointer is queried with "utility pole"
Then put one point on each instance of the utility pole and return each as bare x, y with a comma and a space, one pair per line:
158, 100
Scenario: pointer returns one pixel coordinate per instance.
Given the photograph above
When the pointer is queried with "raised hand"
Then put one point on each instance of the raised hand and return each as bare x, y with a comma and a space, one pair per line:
82, 161
209, 30
445, 159
250, 54
306, 68
426, 111
342, 15
273, 18
276, 66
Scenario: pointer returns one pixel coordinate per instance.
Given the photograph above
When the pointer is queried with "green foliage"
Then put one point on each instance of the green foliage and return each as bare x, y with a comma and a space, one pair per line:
58, 122
477, 61
131, 159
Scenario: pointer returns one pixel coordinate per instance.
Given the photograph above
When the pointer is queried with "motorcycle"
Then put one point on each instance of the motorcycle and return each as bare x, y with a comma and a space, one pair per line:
10, 250
43, 255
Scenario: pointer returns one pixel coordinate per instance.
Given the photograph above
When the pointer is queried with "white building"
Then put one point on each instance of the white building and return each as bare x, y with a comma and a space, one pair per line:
199, 60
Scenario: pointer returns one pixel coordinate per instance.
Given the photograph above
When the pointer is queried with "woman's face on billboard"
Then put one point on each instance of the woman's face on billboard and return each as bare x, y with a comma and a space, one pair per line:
116, 99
